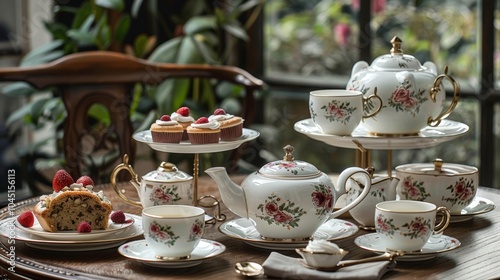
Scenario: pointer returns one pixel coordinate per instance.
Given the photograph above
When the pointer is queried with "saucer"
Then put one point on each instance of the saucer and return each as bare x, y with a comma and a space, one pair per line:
447, 130
479, 205
140, 251
185, 147
73, 235
9, 230
243, 229
434, 246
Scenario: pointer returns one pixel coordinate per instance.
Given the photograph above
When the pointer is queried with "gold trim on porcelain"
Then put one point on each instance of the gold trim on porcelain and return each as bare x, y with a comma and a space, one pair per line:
285, 239
173, 258
394, 135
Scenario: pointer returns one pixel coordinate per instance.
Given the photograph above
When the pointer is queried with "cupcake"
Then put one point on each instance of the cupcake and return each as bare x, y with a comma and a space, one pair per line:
183, 117
231, 126
203, 131
166, 130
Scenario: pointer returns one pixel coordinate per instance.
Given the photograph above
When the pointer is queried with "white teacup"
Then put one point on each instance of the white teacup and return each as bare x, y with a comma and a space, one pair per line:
173, 231
406, 225
339, 112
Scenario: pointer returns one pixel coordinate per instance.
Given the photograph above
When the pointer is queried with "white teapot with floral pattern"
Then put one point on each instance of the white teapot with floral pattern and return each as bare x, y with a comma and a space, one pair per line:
164, 186
287, 199
409, 92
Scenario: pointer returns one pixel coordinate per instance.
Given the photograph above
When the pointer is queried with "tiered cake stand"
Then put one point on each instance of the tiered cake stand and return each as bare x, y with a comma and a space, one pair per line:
187, 148
363, 141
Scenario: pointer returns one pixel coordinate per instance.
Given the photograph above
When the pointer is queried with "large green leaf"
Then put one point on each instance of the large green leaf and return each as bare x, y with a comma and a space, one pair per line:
235, 29
188, 52
18, 115
200, 23
136, 6
111, 4
209, 55
19, 89
36, 55
171, 95
38, 109
148, 120
100, 113
166, 52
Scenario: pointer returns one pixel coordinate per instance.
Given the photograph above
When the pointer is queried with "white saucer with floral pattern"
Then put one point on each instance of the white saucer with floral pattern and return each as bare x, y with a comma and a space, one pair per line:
141, 252
436, 244
243, 229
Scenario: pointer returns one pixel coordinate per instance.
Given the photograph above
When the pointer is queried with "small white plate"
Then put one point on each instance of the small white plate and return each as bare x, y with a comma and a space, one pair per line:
479, 205
9, 230
37, 229
185, 147
140, 251
434, 246
427, 137
243, 229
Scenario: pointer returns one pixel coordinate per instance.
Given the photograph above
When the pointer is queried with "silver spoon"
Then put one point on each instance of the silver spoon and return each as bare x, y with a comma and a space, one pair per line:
388, 256
249, 269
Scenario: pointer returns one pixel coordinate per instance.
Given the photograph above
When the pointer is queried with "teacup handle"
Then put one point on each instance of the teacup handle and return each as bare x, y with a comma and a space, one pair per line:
366, 102
436, 89
340, 188
134, 181
445, 221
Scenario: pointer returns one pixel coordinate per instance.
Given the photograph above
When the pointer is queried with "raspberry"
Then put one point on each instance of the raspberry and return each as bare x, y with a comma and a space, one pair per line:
118, 217
201, 120
85, 181
183, 111
219, 112
84, 227
61, 179
165, 118
26, 219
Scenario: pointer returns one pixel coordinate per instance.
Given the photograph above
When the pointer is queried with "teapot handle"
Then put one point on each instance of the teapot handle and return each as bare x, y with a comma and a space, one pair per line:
134, 181
436, 89
340, 188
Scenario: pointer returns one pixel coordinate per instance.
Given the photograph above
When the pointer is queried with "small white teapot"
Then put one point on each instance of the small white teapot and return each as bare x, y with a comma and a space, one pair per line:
409, 92
287, 199
164, 186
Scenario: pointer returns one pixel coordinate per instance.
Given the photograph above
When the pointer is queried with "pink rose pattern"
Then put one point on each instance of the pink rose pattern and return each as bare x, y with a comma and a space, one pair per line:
417, 228
289, 166
196, 230
406, 99
413, 190
336, 111
164, 195
162, 234
323, 200
286, 213
461, 192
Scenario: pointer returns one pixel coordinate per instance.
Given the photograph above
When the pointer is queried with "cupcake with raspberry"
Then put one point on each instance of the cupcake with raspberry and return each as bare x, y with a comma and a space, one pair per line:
231, 127
203, 131
183, 117
166, 130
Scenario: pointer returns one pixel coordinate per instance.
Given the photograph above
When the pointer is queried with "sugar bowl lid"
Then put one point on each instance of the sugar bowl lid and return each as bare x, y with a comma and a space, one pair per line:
167, 172
288, 168
437, 168
396, 60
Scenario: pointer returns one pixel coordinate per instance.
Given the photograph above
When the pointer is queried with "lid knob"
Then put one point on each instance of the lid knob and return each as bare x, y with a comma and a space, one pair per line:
438, 164
396, 45
288, 153
167, 167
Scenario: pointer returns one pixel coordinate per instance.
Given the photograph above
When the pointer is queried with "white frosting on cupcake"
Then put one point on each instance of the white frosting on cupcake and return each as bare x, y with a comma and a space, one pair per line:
210, 125
180, 118
166, 123
220, 117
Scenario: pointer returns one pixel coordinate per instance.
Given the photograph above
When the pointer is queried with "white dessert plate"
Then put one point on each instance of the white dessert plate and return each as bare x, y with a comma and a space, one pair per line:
479, 205
427, 137
9, 230
140, 251
37, 229
437, 244
243, 229
185, 147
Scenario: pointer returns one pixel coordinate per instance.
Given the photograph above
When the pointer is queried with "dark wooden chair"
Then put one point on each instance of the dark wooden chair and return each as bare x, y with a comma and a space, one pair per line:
108, 78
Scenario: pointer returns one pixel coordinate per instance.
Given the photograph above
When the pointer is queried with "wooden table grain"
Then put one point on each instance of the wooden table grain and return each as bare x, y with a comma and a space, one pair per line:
477, 258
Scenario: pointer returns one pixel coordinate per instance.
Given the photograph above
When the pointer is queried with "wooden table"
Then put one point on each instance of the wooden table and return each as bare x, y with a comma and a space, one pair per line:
477, 258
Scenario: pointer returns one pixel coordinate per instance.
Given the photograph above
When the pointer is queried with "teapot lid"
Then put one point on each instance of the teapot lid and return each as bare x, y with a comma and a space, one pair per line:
168, 173
288, 168
438, 168
396, 60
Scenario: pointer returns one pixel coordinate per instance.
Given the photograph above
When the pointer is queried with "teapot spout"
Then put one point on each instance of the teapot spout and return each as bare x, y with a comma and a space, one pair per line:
231, 193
